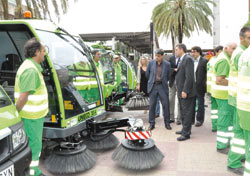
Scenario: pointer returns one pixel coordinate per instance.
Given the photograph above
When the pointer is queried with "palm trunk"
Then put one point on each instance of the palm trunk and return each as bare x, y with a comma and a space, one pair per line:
5, 9
173, 40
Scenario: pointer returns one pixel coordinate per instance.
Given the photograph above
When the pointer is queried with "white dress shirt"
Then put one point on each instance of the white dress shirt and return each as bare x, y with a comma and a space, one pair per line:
196, 62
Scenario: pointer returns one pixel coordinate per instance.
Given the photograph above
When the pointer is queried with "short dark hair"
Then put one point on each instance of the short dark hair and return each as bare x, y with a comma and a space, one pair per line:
95, 51
159, 51
197, 48
31, 46
182, 46
244, 30
218, 48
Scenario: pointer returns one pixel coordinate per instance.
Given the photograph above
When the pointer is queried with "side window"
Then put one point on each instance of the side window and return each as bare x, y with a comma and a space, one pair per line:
124, 71
8, 53
20, 38
11, 55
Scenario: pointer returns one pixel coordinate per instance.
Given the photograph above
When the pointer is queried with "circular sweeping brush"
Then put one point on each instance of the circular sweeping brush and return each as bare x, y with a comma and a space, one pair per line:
137, 151
138, 102
70, 160
101, 142
137, 157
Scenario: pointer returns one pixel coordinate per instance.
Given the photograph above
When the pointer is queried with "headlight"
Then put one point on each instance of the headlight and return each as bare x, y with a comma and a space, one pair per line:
18, 138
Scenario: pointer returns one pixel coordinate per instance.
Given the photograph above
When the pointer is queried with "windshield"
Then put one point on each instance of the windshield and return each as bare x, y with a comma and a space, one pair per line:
107, 67
4, 100
73, 69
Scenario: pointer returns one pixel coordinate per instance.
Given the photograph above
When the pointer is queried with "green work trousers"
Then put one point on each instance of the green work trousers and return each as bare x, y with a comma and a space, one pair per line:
247, 148
214, 113
224, 124
237, 148
34, 131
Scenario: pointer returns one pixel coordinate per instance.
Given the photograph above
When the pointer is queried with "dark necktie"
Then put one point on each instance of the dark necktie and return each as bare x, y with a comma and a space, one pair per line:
178, 61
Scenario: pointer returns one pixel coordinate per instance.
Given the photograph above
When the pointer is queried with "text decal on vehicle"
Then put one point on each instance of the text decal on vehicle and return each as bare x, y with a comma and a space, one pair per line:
8, 172
87, 115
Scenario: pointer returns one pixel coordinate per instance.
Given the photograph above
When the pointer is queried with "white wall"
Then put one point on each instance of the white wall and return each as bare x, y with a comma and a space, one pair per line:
233, 15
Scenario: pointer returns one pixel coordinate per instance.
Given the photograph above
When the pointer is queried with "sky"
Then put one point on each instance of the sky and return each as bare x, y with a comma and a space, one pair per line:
91, 16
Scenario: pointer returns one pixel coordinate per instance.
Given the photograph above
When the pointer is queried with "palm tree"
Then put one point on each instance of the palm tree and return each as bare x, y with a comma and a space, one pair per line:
39, 8
180, 18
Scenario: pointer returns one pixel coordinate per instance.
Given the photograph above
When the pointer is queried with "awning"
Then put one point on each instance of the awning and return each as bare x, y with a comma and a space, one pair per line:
139, 41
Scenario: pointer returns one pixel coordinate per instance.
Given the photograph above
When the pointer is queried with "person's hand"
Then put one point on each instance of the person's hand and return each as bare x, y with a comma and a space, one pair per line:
175, 69
138, 87
183, 95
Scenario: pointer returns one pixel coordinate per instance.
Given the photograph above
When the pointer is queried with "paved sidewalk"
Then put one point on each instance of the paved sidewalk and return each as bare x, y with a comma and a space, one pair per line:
194, 157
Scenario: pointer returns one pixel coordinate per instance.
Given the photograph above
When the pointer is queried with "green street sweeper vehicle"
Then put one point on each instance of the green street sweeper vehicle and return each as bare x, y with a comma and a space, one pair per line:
15, 154
73, 85
75, 121
115, 93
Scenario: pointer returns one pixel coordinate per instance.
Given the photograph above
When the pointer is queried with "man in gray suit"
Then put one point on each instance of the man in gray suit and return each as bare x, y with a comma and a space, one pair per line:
185, 83
158, 74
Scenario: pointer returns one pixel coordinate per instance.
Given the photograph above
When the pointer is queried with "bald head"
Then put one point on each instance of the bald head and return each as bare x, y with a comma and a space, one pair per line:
230, 47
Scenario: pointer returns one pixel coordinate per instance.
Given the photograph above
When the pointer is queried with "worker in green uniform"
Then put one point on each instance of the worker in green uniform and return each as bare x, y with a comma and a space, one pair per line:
96, 57
243, 103
220, 93
81, 71
32, 99
237, 149
118, 71
210, 75
118, 75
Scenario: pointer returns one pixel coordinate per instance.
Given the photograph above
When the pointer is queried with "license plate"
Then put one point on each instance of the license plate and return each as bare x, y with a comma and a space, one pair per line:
8, 172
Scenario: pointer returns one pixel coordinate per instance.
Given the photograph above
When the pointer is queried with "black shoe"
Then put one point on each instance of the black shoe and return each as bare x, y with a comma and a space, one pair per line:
151, 127
183, 138
157, 115
214, 131
178, 132
178, 122
198, 124
171, 121
238, 171
224, 151
168, 126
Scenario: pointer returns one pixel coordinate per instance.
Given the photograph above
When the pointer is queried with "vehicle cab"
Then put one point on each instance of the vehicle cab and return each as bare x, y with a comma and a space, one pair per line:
69, 105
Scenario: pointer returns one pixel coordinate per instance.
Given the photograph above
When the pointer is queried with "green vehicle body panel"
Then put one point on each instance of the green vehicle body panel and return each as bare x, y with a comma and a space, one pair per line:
8, 114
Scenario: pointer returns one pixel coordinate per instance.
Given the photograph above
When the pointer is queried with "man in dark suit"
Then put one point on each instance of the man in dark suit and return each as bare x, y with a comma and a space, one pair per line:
200, 69
185, 90
174, 61
158, 73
